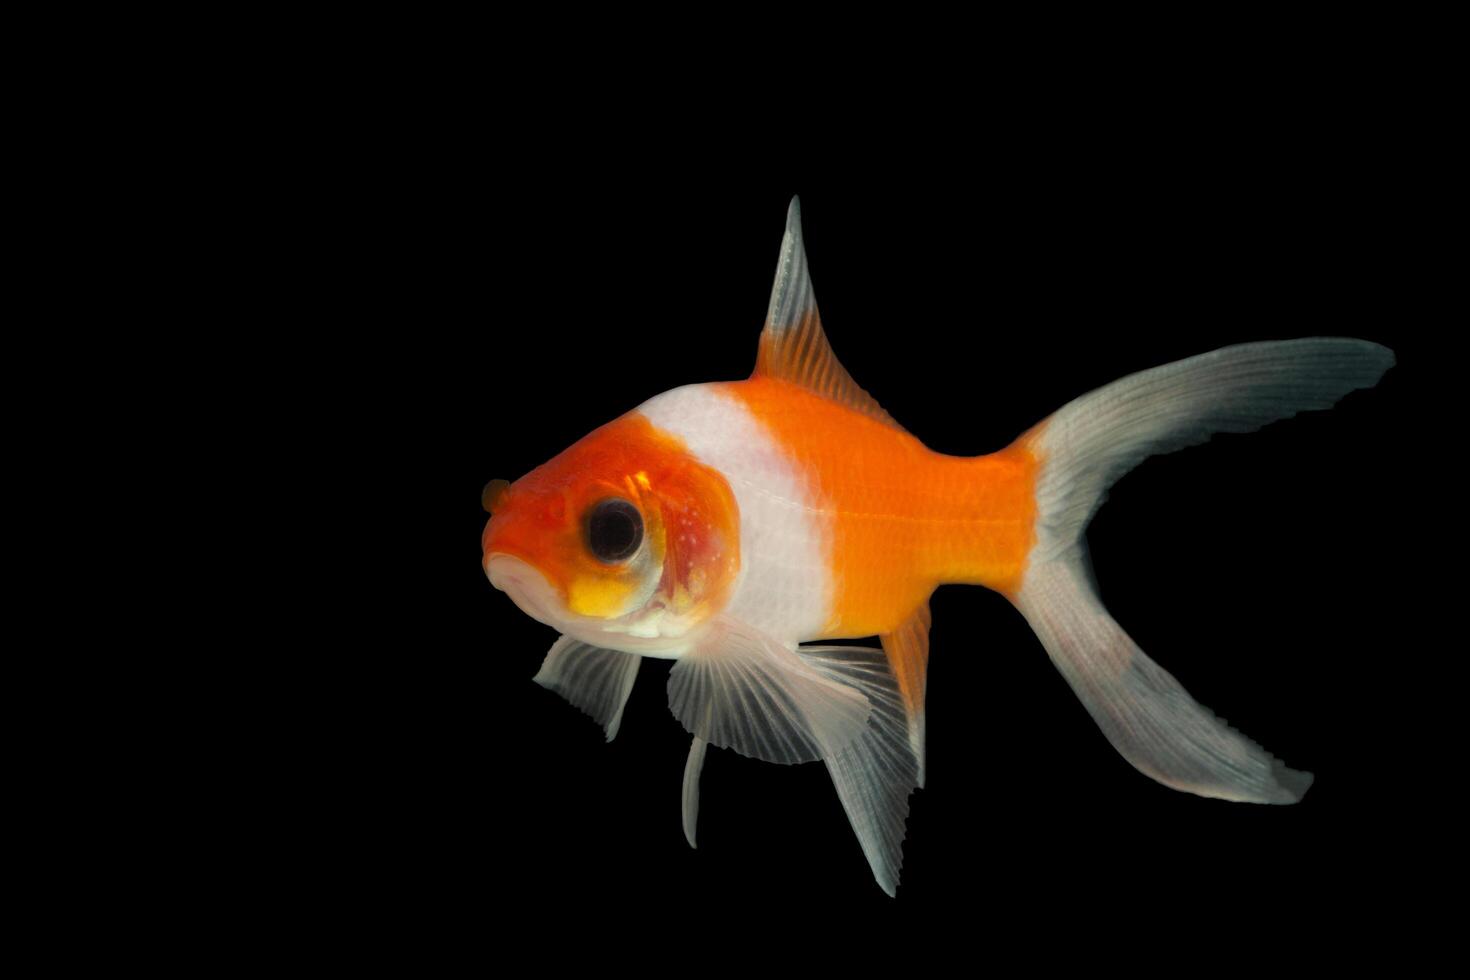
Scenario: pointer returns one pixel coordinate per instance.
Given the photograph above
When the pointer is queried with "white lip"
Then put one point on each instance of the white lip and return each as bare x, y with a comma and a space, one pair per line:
537, 598
526, 587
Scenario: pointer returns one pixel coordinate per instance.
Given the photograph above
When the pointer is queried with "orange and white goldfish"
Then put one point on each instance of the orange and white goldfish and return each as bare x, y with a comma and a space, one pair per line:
725, 526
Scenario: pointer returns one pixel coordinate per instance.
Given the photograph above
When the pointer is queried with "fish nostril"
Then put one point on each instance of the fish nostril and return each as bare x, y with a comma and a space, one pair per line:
493, 494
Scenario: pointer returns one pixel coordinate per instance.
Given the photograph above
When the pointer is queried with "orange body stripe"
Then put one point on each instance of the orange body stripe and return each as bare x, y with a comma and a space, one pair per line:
902, 518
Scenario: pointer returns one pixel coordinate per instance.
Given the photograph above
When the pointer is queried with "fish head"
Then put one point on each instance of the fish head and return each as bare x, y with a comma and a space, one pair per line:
624, 540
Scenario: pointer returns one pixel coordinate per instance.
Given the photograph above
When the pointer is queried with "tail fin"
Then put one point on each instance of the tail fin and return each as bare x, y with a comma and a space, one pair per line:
1086, 447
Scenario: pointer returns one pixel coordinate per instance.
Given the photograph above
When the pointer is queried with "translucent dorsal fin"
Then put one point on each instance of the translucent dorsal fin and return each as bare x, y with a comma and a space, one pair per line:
793, 345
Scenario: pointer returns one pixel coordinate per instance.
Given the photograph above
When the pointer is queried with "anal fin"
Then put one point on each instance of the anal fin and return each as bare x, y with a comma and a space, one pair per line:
908, 654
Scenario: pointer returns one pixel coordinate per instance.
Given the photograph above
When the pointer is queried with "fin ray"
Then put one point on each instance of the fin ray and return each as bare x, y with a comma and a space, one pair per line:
908, 655
1092, 441
596, 680
742, 690
1144, 712
875, 774
690, 794
1088, 445
793, 345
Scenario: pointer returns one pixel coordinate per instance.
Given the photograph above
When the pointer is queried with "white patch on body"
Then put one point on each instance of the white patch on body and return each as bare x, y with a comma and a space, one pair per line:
784, 587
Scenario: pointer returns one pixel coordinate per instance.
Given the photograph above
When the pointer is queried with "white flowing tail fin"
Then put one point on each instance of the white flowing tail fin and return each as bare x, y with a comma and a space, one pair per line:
1086, 447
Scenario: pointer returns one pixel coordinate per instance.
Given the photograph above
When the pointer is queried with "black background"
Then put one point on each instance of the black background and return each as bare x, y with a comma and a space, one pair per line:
368, 265
502, 305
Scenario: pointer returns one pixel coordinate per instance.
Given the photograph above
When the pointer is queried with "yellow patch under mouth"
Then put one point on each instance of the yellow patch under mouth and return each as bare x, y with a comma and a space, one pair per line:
602, 596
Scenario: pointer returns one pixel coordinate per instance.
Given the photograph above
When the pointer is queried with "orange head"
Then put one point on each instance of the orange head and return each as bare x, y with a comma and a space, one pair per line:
623, 541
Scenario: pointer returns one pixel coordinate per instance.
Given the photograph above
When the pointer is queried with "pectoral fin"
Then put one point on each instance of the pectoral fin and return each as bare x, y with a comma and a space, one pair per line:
743, 690
596, 680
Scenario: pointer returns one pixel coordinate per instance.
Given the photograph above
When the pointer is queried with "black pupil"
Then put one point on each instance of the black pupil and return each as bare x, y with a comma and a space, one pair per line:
614, 530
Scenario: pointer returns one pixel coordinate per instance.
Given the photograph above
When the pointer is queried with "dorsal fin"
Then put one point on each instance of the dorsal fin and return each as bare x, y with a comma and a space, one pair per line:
793, 345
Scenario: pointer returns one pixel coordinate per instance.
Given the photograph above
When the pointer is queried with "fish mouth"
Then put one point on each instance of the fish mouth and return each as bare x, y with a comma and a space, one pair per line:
538, 598
526, 586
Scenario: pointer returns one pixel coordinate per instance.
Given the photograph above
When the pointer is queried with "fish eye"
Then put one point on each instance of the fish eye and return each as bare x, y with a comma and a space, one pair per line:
614, 530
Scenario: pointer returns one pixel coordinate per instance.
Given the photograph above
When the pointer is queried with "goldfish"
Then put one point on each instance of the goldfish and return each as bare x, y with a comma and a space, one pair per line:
739, 528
